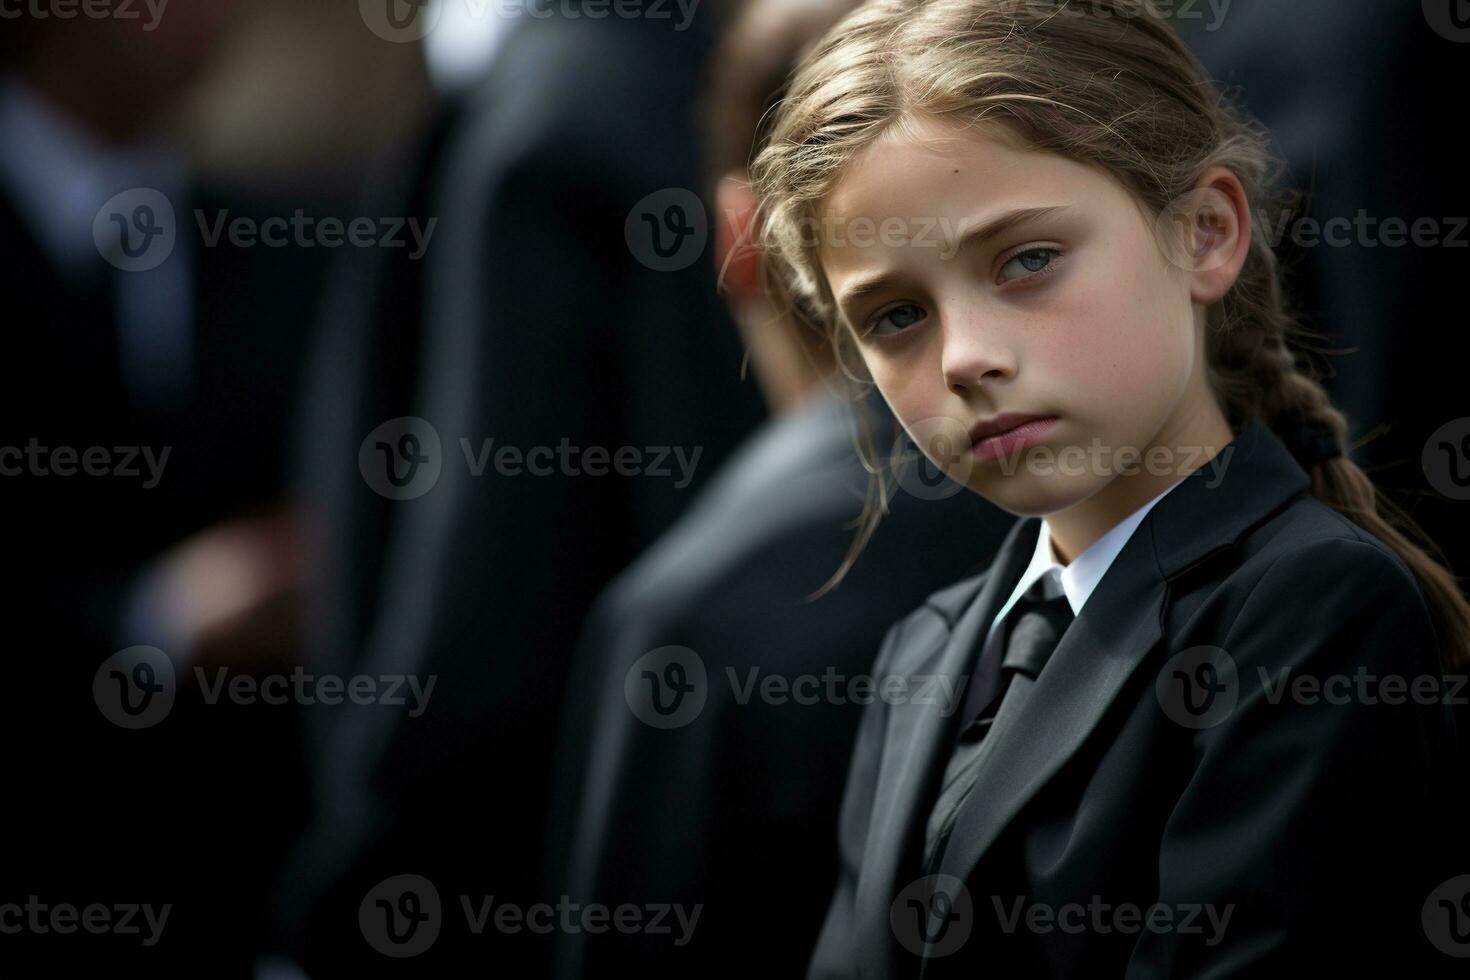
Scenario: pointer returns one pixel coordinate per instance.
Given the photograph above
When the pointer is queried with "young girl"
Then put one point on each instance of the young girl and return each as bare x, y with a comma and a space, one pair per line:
1208, 733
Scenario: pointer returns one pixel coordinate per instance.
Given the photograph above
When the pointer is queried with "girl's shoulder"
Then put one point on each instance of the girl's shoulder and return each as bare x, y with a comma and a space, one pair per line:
1308, 584
1311, 538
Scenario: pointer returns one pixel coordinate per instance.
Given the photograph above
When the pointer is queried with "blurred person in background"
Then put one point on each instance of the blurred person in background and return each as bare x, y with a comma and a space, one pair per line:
544, 321
712, 809
151, 370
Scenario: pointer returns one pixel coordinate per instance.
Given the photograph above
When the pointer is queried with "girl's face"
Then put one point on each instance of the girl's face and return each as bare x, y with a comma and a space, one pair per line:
983, 279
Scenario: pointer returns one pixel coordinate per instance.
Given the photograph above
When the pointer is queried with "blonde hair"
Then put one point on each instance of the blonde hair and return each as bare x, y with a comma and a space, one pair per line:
1103, 82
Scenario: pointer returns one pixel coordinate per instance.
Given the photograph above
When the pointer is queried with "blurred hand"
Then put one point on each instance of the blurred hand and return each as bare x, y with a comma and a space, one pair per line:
233, 594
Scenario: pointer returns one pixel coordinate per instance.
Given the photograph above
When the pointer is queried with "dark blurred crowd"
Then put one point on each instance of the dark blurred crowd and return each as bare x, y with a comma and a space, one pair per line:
391, 389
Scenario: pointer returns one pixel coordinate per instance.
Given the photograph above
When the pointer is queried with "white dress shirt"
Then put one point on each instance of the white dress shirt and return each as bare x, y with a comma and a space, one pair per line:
464, 42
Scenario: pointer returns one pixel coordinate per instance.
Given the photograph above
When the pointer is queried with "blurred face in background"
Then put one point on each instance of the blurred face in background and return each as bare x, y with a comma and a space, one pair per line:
115, 73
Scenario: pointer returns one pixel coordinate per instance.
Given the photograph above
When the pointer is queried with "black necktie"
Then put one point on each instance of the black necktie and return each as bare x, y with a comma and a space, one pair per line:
1035, 627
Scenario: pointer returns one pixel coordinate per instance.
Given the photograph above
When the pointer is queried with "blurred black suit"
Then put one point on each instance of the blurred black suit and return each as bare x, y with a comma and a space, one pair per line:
100, 814
86, 537
734, 811
529, 321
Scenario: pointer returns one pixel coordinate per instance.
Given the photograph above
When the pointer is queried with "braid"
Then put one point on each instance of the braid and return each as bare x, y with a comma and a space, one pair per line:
1258, 374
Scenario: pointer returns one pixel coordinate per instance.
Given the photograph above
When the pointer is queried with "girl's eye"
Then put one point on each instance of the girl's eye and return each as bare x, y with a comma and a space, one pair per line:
897, 319
1028, 264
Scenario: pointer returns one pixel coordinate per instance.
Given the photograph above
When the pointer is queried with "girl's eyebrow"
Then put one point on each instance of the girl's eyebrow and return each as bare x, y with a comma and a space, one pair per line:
1003, 223
976, 236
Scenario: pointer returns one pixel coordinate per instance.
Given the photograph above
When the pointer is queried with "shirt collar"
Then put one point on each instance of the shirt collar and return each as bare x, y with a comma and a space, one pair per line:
60, 176
1078, 579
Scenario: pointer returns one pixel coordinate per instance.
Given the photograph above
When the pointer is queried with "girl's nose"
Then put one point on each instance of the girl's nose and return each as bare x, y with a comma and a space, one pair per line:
972, 361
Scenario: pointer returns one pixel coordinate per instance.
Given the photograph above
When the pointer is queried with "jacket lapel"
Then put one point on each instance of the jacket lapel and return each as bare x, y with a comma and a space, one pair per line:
1119, 626
918, 741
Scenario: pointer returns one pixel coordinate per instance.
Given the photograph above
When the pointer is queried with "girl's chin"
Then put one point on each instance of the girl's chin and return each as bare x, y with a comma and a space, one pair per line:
1027, 495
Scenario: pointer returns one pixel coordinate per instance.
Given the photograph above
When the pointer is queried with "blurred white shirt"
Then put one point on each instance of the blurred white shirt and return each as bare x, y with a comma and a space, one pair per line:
468, 35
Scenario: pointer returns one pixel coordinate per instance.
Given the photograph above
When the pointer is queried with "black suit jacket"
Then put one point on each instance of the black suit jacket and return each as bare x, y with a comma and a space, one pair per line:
735, 808
81, 544
1317, 827
87, 538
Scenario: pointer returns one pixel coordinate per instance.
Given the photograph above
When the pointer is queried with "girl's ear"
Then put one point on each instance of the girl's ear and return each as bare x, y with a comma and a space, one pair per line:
1207, 233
